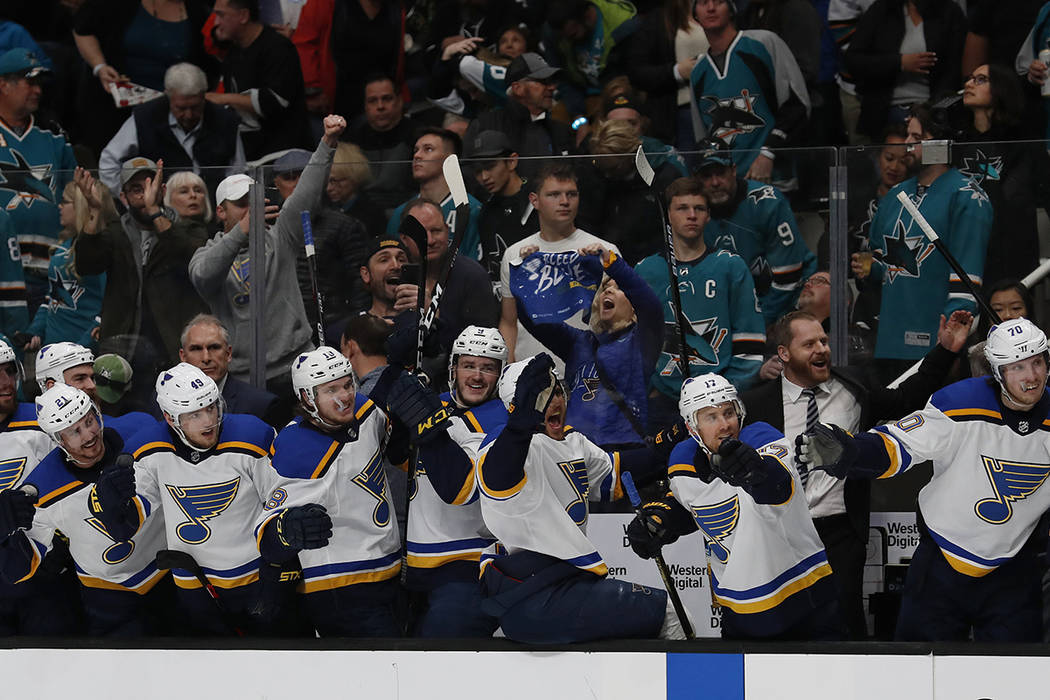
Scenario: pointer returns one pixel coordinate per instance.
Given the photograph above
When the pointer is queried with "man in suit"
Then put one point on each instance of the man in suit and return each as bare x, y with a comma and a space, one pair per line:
206, 344
809, 390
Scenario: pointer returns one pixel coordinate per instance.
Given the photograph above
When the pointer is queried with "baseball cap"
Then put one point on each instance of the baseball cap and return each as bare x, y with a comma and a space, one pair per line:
623, 100
232, 188
22, 60
714, 152
294, 161
378, 244
112, 377
530, 66
133, 167
489, 144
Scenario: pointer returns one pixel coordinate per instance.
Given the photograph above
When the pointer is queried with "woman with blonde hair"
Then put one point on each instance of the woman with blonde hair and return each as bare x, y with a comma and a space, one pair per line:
347, 180
70, 311
186, 193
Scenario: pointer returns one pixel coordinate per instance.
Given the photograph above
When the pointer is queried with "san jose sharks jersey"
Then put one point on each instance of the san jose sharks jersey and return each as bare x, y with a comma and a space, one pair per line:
470, 246
487, 77
760, 556
14, 315
344, 473
547, 510
73, 302
445, 540
762, 230
22, 446
757, 98
68, 503
918, 285
211, 499
989, 467
34, 168
722, 319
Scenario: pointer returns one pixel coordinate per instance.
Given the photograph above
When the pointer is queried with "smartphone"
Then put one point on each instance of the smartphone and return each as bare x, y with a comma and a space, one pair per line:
410, 274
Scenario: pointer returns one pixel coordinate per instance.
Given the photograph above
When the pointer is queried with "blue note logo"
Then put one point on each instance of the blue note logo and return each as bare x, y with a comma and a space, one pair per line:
717, 522
373, 480
1011, 481
200, 504
11, 471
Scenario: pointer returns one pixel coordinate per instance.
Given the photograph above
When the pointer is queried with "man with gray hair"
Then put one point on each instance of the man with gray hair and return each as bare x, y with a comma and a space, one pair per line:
181, 128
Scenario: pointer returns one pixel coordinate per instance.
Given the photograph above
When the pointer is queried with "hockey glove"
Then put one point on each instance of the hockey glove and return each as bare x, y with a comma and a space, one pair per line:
401, 344
417, 407
738, 464
304, 527
827, 447
532, 393
657, 524
664, 441
762, 274
16, 512
116, 483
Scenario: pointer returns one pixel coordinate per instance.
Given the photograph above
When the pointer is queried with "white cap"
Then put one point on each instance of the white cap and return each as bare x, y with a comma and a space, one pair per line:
232, 188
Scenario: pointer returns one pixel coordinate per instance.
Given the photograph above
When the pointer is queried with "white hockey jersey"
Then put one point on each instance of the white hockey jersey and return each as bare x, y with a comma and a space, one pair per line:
547, 510
22, 446
440, 533
210, 500
759, 555
989, 465
344, 474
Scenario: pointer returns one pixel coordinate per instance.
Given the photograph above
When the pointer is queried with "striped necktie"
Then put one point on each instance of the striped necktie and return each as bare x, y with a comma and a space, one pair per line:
812, 418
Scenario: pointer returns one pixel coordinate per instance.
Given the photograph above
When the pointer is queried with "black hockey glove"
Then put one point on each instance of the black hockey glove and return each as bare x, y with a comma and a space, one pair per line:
417, 407
738, 464
402, 341
304, 527
532, 393
762, 274
648, 532
664, 441
16, 511
116, 483
827, 447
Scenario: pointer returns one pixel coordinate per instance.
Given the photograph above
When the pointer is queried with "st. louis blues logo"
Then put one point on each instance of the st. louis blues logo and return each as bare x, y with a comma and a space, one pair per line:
717, 522
116, 552
200, 504
373, 480
1011, 481
10, 471
575, 472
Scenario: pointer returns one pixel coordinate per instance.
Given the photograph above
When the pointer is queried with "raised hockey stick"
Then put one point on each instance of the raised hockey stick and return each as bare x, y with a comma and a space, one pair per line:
917, 216
414, 230
311, 262
646, 172
632, 495
174, 559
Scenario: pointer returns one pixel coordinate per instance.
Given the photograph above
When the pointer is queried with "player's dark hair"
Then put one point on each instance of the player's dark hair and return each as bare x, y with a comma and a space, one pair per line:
683, 187
554, 171
369, 332
453, 143
781, 333
251, 5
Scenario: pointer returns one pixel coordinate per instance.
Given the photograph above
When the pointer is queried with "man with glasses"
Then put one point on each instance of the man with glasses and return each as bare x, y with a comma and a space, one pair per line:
36, 162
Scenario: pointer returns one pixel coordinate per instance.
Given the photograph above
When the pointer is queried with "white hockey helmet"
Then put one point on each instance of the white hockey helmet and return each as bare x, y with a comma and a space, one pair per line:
60, 407
7, 354
476, 341
705, 391
184, 389
1011, 341
55, 358
314, 368
508, 382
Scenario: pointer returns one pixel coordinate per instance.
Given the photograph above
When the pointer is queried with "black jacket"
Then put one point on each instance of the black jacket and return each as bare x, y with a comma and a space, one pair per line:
765, 403
651, 59
546, 137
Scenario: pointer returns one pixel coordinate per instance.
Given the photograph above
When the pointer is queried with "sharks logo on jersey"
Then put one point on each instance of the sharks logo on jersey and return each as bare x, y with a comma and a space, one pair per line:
200, 504
704, 337
717, 522
906, 248
26, 183
980, 167
732, 116
10, 471
64, 292
373, 480
1011, 481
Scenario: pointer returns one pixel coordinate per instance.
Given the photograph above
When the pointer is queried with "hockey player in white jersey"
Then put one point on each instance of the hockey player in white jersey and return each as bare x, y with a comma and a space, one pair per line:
330, 504
974, 571
43, 605
769, 571
446, 532
545, 581
210, 475
118, 579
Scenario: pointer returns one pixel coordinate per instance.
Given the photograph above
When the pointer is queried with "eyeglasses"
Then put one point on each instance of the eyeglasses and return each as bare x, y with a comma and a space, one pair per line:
978, 79
819, 281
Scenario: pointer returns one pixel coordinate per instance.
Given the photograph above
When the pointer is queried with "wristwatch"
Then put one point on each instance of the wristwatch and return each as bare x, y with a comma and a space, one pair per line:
166, 212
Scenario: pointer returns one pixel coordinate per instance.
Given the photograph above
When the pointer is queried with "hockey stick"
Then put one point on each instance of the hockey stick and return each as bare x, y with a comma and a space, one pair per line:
632, 495
308, 240
646, 172
415, 232
917, 216
174, 559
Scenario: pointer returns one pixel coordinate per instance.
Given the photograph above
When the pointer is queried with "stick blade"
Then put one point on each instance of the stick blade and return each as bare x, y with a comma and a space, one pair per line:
454, 179
174, 559
645, 170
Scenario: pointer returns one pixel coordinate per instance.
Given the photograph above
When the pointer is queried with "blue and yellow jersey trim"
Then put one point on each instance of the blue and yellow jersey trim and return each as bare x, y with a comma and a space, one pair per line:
59, 493
328, 577
499, 495
261, 529
963, 561
592, 562
431, 555
38, 551
897, 455
779, 454
153, 447
24, 418
769, 595
469, 487
326, 460
141, 583
220, 578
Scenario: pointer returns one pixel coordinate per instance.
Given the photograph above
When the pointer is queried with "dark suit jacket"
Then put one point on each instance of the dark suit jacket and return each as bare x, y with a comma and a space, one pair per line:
242, 397
765, 403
